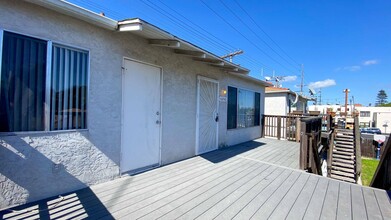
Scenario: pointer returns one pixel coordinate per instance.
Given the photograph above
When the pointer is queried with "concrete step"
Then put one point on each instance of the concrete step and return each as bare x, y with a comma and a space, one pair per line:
343, 169
341, 173
342, 178
343, 161
339, 164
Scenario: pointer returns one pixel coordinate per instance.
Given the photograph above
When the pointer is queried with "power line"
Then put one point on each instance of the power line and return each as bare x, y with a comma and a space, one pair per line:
252, 31
255, 45
260, 28
226, 47
220, 42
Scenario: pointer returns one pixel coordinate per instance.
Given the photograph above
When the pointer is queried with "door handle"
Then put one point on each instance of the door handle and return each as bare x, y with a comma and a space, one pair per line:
158, 122
217, 118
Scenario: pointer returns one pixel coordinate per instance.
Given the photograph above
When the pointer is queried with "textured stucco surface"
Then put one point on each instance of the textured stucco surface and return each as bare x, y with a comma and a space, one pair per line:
35, 166
276, 104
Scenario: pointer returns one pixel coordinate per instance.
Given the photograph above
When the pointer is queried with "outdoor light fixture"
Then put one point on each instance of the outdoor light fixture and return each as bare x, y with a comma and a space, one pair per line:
223, 92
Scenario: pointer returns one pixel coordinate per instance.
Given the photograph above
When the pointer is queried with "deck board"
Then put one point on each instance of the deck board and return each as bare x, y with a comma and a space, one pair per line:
258, 179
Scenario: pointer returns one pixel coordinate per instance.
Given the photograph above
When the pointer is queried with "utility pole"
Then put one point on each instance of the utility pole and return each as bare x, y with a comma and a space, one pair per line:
320, 96
302, 79
346, 91
231, 55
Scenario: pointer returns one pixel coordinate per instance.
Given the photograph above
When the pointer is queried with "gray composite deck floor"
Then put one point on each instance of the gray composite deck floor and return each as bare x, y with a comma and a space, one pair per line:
232, 183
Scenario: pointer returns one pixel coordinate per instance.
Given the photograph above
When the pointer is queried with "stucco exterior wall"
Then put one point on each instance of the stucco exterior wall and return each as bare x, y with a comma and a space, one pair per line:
276, 104
43, 164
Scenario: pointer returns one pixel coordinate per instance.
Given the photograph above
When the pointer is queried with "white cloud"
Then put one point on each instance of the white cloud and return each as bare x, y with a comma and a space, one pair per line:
352, 68
289, 78
370, 62
322, 84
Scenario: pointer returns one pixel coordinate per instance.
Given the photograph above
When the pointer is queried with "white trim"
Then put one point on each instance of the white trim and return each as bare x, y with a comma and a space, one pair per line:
49, 51
121, 172
78, 12
199, 77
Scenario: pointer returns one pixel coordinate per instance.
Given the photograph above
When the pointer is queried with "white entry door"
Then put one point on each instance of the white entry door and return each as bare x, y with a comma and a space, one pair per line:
141, 116
207, 115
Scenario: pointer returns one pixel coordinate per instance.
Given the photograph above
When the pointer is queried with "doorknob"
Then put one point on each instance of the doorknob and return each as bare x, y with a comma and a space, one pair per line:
158, 122
217, 118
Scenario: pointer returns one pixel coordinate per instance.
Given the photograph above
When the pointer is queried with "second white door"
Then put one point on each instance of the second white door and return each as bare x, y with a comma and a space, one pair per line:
207, 115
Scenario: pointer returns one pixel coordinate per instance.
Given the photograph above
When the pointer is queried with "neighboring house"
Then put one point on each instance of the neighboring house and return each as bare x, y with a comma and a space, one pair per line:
379, 117
282, 101
85, 98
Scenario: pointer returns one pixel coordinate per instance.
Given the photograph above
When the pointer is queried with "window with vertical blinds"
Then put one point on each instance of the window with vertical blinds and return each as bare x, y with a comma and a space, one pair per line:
22, 94
25, 84
68, 89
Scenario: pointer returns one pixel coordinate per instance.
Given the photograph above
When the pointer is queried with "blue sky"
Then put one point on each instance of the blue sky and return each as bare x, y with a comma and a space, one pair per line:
342, 44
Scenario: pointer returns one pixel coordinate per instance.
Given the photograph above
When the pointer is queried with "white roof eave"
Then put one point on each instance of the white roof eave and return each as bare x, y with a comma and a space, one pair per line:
149, 31
72, 10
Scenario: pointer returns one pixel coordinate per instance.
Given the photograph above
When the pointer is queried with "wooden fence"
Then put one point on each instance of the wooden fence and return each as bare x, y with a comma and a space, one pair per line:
310, 144
382, 177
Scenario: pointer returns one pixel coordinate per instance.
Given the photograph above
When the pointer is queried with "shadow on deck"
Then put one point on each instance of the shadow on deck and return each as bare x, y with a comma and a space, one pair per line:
249, 180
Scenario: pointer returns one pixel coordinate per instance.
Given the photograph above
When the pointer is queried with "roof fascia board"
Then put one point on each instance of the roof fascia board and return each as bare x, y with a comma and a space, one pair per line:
77, 12
261, 82
166, 34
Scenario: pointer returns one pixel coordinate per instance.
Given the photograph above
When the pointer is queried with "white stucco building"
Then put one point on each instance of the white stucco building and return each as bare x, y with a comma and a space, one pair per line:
282, 101
379, 117
85, 99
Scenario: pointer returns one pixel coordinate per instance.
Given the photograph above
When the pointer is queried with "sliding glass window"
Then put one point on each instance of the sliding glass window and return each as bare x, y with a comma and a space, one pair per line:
68, 88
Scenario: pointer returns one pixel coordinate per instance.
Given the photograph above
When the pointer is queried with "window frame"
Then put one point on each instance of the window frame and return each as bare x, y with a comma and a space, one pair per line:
367, 114
237, 107
49, 54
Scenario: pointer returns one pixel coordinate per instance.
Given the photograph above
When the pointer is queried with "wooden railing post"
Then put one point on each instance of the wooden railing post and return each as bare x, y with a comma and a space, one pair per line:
263, 126
357, 143
330, 154
298, 129
279, 127
303, 147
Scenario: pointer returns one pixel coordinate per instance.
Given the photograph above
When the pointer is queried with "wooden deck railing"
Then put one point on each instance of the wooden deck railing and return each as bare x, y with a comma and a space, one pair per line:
310, 145
357, 144
382, 177
288, 127
281, 127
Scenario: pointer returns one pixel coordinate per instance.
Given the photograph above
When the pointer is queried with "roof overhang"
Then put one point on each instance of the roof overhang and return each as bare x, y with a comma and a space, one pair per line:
154, 35
161, 38
72, 10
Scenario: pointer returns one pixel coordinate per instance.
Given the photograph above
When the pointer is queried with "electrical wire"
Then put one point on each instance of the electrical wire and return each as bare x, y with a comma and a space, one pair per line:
251, 42
260, 28
252, 31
